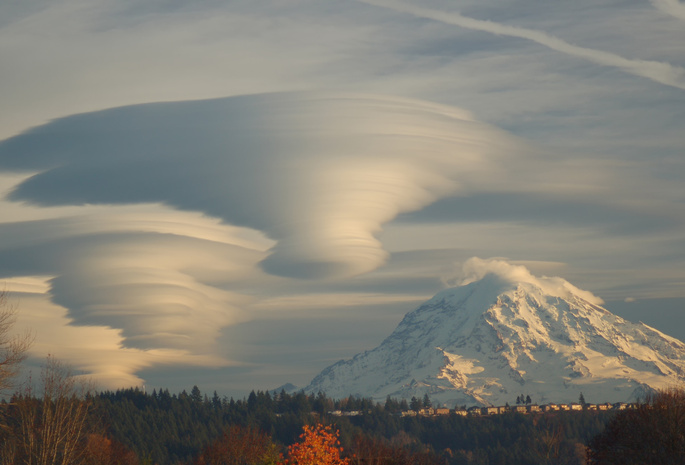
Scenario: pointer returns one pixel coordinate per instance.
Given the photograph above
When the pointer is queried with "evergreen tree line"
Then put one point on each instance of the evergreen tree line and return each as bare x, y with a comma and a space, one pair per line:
174, 429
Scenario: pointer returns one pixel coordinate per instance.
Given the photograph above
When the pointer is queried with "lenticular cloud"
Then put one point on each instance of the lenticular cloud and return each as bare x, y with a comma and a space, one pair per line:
317, 173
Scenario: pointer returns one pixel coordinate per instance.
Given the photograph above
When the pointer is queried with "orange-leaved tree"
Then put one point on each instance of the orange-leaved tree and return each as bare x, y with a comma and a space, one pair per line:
319, 445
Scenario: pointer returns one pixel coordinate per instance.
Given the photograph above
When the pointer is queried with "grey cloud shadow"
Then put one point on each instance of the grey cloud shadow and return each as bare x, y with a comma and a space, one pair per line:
543, 209
459, 45
665, 314
281, 340
144, 153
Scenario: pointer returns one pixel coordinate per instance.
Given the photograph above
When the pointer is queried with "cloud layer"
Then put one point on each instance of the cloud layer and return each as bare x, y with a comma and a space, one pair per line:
124, 268
671, 7
320, 174
172, 206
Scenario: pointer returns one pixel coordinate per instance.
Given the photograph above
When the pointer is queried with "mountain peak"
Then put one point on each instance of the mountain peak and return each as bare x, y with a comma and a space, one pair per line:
478, 269
504, 332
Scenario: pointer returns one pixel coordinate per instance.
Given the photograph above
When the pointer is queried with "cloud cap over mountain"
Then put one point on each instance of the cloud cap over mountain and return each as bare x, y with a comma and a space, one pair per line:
475, 269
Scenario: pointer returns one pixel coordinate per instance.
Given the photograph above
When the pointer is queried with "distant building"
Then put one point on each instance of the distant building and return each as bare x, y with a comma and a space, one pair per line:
474, 411
489, 411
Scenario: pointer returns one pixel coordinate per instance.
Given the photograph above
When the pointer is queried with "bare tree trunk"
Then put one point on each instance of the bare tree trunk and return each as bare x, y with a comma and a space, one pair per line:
12, 347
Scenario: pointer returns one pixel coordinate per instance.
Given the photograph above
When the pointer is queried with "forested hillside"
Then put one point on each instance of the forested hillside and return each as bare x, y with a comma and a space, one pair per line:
170, 429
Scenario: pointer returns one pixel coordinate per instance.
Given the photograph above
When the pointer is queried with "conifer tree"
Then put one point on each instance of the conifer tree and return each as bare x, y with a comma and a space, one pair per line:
415, 404
196, 394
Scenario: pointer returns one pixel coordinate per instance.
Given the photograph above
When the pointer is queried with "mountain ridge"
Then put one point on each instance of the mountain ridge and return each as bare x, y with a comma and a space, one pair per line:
503, 333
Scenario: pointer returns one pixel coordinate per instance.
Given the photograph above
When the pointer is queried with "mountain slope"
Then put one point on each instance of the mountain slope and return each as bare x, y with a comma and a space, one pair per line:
508, 333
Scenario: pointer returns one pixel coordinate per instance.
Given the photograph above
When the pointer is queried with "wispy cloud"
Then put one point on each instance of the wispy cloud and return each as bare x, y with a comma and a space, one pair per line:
660, 72
671, 7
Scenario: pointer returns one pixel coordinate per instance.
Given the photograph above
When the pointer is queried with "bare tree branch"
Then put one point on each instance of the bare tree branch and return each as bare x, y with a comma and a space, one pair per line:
13, 347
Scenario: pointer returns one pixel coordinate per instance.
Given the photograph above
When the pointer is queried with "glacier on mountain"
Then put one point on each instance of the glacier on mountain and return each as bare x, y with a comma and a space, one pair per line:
504, 332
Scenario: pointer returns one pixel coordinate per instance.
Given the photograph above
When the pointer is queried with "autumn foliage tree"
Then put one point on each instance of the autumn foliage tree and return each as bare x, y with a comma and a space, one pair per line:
240, 446
101, 450
318, 445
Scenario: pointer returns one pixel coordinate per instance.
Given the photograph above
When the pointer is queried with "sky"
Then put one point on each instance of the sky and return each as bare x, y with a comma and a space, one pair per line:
236, 195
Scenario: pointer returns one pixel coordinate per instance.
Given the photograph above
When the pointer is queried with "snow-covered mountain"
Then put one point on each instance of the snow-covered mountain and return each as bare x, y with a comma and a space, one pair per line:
504, 333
